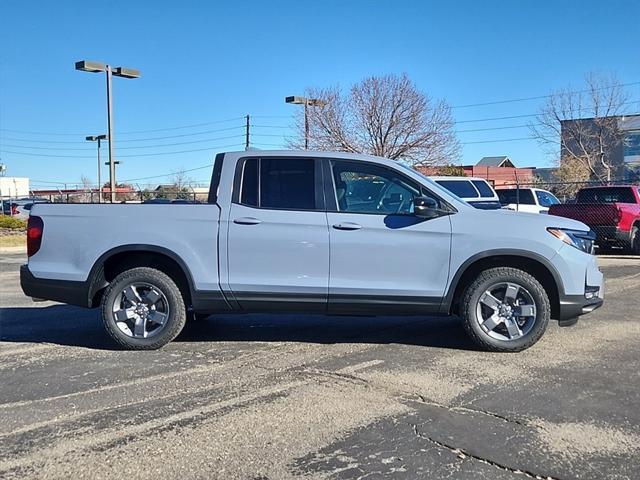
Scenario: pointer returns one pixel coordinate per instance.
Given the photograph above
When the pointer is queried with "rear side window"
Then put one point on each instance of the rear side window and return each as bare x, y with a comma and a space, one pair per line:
461, 188
278, 183
606, 195
523, 196
484, 189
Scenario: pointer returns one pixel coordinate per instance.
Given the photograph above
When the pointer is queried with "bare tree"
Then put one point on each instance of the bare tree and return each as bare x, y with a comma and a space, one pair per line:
587, 140
385, 116
570, 176
180, 186
86, 196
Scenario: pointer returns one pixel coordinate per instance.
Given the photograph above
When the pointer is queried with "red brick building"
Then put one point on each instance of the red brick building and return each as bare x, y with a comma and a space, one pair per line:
498, 171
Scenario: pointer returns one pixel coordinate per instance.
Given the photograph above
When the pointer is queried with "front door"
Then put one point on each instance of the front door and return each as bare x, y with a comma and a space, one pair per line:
278, 239
380, 252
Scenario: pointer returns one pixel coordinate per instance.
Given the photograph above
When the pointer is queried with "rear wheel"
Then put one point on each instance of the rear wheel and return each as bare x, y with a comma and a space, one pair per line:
635, 240
143, 309
505, 310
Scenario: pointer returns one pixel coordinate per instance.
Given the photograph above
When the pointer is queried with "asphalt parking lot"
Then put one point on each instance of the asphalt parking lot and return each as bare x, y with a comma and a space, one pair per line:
276, 397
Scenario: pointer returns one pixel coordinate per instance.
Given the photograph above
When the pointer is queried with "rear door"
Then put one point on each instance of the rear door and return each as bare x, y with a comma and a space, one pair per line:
278, 239
381, 254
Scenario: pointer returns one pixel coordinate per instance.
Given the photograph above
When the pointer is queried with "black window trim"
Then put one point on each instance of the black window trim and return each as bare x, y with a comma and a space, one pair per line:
330, 187
318, 183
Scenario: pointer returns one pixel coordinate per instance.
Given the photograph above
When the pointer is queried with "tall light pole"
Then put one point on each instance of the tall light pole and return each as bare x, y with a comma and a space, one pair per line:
307, 102
98, 138
95, 67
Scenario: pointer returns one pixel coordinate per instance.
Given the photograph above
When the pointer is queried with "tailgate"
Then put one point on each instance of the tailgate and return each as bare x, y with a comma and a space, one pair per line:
593, 214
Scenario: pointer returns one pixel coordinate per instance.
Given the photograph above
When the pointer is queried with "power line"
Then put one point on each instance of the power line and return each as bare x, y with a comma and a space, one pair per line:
168, 174
126, 140
130, 132
215, 147
539, 97
87, 149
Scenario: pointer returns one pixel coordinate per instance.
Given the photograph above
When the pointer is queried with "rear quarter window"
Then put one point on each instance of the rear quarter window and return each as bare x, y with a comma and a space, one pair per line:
461, 188
512, 196
484, 188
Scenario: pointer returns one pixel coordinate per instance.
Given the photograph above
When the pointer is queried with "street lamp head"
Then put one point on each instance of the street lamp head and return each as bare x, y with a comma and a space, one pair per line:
126, 72
93, 67
311, 102
296, 100
95, 138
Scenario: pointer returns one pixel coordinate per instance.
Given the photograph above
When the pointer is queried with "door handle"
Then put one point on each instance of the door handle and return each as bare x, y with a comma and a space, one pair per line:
347, 226
247, 221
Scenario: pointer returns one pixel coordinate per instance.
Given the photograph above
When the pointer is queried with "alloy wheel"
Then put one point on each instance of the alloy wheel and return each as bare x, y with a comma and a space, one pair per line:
506, 311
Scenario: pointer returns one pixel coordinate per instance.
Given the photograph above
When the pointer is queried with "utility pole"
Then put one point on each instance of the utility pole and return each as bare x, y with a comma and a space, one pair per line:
247, 138
306, 124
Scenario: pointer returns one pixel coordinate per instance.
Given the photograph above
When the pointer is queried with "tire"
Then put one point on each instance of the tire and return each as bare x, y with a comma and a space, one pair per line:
634, 247
504, 336
128, 322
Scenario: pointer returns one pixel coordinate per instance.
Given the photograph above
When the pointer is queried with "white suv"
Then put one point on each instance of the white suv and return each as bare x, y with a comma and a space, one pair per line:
475, 191
529, 200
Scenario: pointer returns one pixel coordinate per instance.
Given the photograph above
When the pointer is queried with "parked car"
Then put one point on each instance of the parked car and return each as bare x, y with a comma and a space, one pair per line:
21, 208
613, 212
281, 234
530, 200
475, 191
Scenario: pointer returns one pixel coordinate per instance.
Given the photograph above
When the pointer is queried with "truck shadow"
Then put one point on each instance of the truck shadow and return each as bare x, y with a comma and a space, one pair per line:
78, 327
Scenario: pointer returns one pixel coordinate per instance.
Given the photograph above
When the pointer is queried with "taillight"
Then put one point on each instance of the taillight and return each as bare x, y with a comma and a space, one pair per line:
35, 227
14, 209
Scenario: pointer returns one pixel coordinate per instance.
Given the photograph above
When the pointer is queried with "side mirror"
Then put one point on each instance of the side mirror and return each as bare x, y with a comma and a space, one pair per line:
425, 207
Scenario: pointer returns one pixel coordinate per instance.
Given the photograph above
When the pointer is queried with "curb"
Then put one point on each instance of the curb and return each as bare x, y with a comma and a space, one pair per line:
18, 249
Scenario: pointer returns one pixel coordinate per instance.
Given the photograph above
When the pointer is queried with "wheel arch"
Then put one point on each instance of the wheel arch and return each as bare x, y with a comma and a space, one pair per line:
121, 258
530, 262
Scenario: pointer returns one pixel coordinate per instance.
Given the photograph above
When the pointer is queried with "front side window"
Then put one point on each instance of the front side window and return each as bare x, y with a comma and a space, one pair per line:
278, 183
546, 199
367, 188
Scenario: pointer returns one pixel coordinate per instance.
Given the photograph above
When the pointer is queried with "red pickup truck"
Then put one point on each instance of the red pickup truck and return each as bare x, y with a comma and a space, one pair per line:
613, 212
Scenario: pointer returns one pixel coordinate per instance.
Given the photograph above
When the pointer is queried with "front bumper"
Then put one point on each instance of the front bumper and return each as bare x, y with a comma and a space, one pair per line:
63, 291
572, 306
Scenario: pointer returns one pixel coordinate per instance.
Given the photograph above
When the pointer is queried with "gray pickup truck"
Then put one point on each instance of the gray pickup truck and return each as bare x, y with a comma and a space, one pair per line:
313, 232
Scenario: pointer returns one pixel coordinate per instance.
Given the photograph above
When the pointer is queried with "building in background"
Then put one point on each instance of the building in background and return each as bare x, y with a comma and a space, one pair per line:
498, 171
14, 187
620, 150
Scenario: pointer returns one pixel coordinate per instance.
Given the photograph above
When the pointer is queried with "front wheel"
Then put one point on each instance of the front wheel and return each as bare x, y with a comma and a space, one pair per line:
505, 310
143, 309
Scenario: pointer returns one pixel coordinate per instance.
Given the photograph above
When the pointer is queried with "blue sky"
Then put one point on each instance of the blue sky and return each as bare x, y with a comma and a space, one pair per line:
204, 62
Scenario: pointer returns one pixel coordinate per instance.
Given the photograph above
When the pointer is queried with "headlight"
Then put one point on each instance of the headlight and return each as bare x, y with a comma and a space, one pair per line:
576, 238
